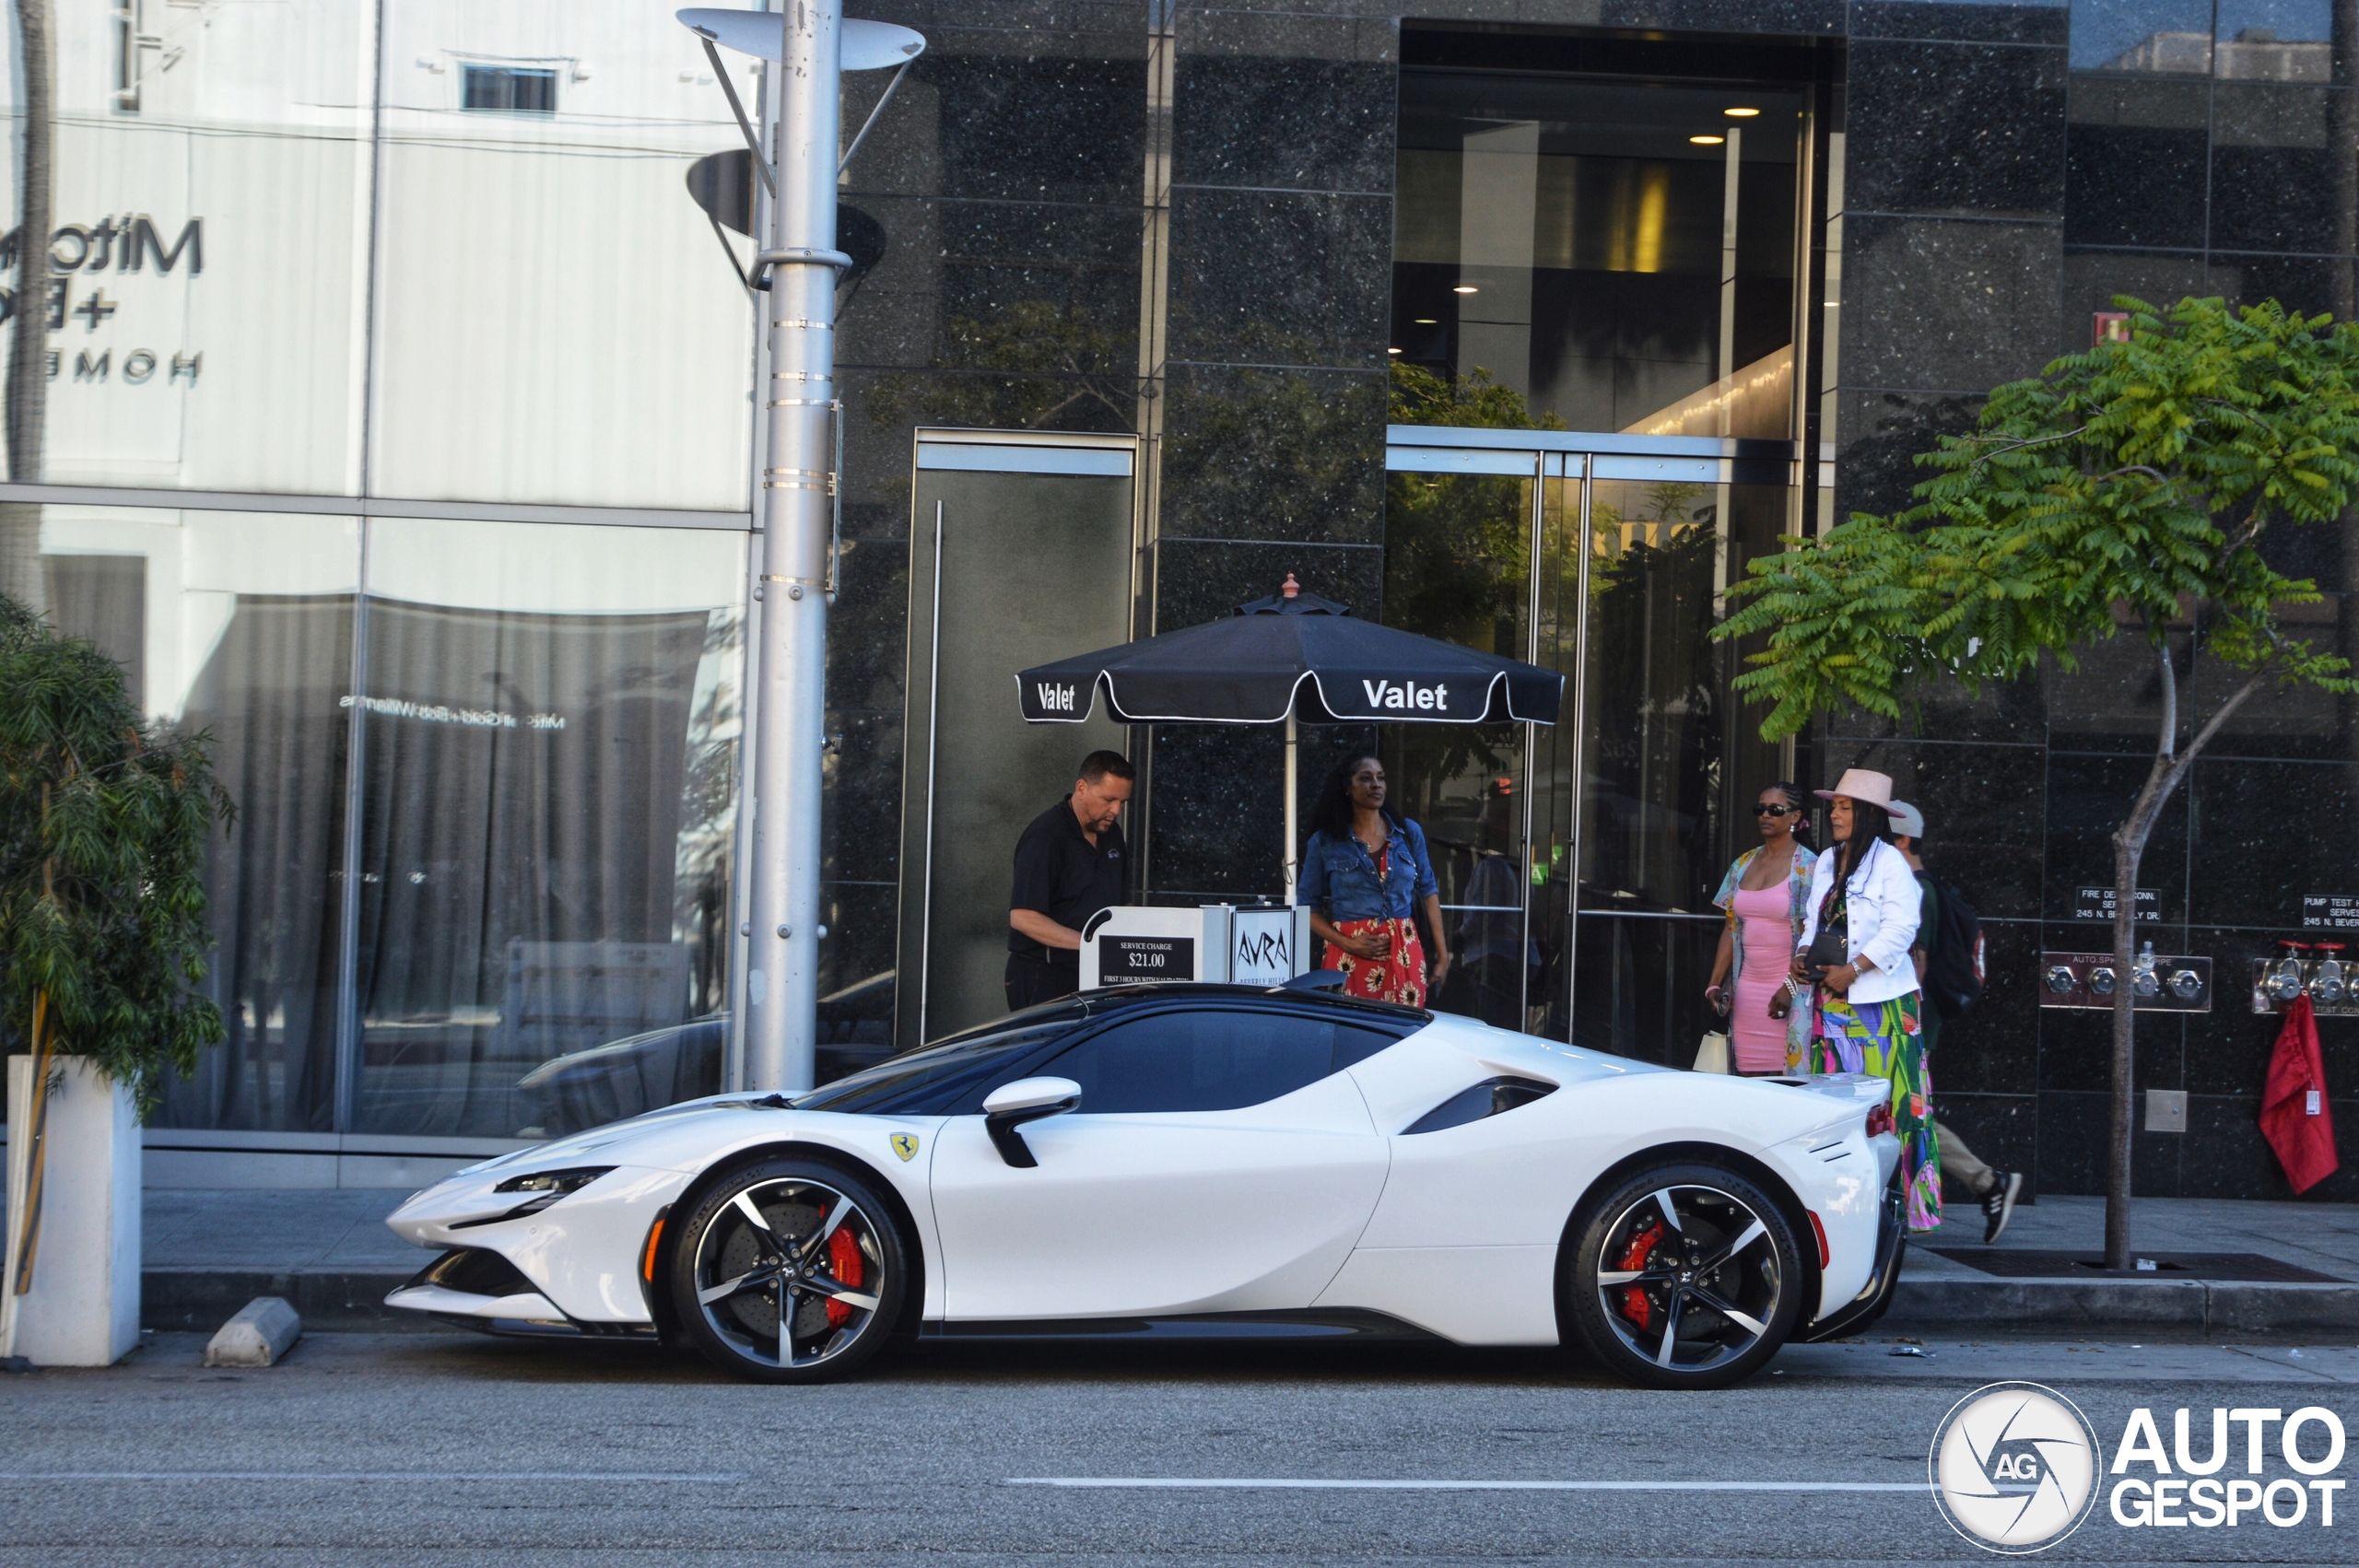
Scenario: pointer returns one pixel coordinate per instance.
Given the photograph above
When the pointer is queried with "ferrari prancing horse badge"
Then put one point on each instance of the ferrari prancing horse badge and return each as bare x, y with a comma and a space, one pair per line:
905, 1144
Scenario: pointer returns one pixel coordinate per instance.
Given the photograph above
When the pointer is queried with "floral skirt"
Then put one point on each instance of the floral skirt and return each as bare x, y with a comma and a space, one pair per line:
1398, 976
1885, 1039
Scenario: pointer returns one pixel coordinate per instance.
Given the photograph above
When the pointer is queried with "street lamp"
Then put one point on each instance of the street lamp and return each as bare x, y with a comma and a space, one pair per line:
811, 41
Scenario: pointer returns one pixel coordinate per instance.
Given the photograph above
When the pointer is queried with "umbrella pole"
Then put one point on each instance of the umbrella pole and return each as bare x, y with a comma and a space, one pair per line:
1291, 851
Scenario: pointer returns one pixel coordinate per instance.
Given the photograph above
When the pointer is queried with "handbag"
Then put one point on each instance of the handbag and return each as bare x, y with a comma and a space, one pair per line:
1830, 947
1712, 1053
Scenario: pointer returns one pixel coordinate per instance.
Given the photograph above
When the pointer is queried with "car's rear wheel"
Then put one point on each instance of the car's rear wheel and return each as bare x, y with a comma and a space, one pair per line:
789, 1271
1683, 1275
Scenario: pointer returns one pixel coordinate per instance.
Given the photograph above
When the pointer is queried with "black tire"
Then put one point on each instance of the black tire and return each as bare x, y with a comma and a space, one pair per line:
1675, 1305
735, 1280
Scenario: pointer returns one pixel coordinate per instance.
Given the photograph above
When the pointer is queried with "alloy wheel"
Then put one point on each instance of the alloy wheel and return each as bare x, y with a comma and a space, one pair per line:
789, 1273
1689, 1277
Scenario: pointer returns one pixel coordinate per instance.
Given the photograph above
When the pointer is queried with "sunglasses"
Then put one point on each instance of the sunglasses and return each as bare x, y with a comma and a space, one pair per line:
1777, 811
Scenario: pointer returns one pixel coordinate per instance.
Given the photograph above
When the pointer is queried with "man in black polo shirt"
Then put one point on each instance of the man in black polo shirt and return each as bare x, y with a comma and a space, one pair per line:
1069, 864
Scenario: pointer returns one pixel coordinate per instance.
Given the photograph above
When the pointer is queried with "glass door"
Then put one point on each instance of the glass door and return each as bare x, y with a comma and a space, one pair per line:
1459, 527
1577, 861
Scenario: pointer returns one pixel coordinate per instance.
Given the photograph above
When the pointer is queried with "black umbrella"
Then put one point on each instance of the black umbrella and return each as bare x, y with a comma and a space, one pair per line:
1292, 656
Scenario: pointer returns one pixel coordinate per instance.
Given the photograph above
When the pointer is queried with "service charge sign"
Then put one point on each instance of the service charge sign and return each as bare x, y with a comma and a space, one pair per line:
1135, 960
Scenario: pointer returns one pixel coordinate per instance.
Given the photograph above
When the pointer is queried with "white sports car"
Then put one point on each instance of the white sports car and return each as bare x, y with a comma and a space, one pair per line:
1200, 1160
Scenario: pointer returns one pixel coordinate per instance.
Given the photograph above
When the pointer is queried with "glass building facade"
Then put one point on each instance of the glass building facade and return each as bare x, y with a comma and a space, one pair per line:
385, 437
398, 422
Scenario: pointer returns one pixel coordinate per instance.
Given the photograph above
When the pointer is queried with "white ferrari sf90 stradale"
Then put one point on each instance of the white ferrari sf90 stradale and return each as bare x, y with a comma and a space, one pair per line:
1217, 1161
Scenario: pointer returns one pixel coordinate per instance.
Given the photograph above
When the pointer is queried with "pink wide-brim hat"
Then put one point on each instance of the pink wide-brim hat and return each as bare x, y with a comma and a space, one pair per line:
1862, 784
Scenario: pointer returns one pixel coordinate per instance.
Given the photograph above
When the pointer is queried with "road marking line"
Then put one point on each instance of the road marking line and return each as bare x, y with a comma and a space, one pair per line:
1179, 1484
634, 1477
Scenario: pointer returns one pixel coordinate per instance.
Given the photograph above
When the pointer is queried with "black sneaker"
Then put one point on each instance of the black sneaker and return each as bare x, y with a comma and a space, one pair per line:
1999, 1203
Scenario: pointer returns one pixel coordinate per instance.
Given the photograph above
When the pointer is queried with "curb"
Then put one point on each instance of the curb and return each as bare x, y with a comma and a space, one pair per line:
2083, 1305
179, 1300
200, 1300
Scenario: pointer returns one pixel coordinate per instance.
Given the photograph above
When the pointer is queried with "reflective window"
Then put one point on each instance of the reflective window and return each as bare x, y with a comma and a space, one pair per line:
516, 89
940, 1078
2149, 37
554, 323
1619, 253
548, 745
208, 189
239, 625
1207, 1060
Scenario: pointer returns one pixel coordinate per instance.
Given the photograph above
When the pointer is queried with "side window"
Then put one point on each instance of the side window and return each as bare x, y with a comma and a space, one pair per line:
1206, 1060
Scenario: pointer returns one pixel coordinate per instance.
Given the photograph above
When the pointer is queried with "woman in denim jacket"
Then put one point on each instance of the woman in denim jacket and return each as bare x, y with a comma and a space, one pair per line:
1365, 876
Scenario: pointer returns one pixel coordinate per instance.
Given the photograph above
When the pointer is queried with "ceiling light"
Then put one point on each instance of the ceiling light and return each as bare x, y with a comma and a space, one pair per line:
1707, 141
1740, 114
1465, 288
1428, 321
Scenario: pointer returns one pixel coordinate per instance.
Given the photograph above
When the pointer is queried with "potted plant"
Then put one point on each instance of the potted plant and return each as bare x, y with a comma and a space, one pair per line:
105, 821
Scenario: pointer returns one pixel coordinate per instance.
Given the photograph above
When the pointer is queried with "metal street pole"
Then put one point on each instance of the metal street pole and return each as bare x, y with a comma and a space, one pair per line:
783, 953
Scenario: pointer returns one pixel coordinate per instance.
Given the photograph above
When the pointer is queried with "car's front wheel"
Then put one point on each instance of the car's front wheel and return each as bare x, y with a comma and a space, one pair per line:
1683, 1275
789, 1271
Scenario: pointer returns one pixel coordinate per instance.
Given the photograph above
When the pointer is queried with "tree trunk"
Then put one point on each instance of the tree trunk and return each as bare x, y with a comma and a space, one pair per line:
2129, 848
25, 404
2170, 769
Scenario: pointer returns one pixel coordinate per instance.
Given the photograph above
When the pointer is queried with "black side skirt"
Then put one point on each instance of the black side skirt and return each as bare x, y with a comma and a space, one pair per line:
1342, 1323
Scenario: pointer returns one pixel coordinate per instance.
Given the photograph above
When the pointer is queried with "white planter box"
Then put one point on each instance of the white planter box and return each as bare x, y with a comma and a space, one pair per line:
84, 1307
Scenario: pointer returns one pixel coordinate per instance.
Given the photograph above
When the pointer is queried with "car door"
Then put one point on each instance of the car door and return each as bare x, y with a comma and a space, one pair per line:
1219, 1161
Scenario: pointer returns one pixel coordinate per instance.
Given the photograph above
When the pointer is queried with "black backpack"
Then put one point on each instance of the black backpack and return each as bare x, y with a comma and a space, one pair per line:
1953, 967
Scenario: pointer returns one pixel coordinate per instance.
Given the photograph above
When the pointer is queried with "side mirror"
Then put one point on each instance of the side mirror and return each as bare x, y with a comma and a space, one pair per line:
1010, 1105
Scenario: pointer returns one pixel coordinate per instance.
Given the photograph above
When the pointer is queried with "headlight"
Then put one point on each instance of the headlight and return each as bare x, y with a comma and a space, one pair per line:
556, 1183
544, 1189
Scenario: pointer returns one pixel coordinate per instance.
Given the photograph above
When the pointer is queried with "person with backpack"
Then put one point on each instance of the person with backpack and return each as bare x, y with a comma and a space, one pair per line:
1948, 956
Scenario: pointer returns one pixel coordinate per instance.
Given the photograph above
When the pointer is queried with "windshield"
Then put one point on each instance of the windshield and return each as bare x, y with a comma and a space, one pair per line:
938, 1075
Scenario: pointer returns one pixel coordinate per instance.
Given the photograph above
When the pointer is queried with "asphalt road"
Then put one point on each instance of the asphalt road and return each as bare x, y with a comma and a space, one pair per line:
431, 1448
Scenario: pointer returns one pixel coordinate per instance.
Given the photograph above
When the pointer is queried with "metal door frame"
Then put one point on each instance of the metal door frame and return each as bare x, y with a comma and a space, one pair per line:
1580, 458
940, 448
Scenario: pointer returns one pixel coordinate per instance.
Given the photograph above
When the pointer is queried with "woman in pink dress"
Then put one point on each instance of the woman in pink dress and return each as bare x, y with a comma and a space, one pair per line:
1767, 894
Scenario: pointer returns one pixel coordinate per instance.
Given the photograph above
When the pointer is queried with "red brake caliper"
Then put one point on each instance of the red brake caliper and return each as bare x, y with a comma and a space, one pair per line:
1635, 1305
849, 1266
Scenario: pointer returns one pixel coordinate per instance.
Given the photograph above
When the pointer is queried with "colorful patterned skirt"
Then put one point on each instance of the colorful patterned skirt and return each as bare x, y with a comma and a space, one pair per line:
1400, 976
1886, 1039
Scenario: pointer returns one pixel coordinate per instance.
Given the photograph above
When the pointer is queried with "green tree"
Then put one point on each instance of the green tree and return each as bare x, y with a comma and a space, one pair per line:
104, 819
2126, 491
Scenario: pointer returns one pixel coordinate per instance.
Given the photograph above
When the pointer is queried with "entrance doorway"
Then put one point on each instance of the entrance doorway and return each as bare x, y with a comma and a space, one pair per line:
1614, 264
1577, 861
1020, 552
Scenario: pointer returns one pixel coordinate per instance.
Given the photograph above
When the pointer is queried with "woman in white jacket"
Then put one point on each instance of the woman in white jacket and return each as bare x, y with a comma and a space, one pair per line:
1855, 941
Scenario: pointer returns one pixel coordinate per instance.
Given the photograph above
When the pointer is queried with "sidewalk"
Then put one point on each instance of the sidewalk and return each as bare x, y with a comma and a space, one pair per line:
2222, 1244
328, 1252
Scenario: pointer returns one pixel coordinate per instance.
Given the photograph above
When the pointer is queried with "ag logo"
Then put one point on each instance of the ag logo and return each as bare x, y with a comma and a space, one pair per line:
905, 1144
2014, 1467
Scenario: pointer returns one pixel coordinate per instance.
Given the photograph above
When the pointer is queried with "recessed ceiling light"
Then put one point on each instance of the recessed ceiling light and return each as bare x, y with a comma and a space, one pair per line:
1428, 321
1740, 114
1707, 141
1465, 288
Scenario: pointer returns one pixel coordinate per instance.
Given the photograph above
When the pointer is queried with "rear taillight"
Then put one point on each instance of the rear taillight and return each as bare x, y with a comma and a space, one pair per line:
1880, 1121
